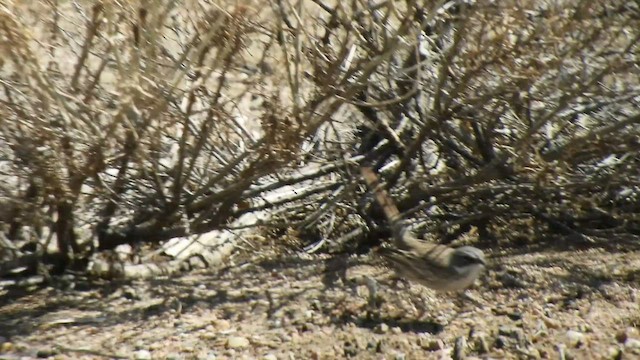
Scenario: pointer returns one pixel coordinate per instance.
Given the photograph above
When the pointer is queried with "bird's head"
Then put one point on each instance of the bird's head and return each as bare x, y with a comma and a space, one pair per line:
468, 256
468, 262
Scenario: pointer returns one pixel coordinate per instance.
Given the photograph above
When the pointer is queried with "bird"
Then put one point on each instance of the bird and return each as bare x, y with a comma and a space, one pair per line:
436, 266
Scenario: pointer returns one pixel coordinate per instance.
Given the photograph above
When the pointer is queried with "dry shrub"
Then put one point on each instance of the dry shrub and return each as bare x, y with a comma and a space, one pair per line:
124, 123
515, 117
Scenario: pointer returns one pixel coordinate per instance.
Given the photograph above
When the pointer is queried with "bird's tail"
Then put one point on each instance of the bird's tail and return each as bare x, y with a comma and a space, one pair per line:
401, 235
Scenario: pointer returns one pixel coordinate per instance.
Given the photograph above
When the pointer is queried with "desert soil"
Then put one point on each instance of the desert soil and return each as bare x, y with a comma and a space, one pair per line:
554, 305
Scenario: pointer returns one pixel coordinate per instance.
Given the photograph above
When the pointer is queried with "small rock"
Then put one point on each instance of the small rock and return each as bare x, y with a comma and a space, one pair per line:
531, 353
631, 343
562, 351
6, 347
501, 342
350, 349
400, 356
506, 330
539, 333
307, 327
131, 293
432, 345
515, 315
544, 354
375, 345
45, 353
511, 332
396, 330
459, 348
123, 252
551, 323
614, 352
586, 328
221, 324
381, 328
629, 332
511, 281
372, 344
270, 357
230, 353
208, 335
621, 336
142, 355
315, 305
156, 346
208, 356
276, 323
479, 340
236, 342
575, 338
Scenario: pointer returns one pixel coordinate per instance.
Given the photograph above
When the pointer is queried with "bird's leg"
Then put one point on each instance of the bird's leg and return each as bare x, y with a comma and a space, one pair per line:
372, 286
374, 301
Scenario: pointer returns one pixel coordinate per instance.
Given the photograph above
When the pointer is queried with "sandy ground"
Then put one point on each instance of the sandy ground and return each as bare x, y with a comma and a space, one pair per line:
555, 305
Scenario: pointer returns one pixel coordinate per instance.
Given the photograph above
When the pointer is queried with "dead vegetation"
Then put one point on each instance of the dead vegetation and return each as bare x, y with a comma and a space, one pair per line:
138, 123
142, 138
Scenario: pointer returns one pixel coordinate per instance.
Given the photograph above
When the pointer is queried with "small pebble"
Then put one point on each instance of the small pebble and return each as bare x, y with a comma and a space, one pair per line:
459, 348
142, 355
45, 353
508, 331
544, 354
627, 333
479, 340
6, 347
614, 352
432, 345
400, 356
514, 316
621, 336
551, 323
631, 343
350, 349
236, 342
501, 342
209, 356
221, 324
382, 328
575, 338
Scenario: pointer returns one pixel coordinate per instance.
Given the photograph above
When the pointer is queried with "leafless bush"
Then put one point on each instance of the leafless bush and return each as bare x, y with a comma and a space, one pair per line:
123, 123
518, 117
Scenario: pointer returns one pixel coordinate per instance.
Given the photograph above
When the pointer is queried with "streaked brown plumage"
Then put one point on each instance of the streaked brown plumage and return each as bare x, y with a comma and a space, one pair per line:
438, 267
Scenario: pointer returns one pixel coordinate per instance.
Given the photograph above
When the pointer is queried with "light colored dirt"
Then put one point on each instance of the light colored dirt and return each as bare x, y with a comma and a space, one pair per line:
583, 304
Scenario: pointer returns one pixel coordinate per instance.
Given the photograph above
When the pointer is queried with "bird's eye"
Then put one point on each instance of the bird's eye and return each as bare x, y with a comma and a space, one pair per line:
472, 259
